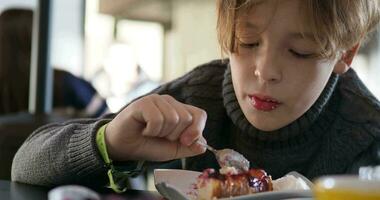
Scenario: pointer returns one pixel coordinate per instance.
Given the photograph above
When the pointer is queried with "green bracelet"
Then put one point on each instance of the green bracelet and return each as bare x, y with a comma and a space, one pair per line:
100, 140
117, 179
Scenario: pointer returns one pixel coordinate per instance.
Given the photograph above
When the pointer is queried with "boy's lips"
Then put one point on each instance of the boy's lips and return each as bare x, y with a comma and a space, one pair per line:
264, 103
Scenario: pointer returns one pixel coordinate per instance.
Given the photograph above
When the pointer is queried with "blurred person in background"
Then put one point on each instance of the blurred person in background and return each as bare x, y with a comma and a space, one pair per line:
121, 78
72, 95
141, 85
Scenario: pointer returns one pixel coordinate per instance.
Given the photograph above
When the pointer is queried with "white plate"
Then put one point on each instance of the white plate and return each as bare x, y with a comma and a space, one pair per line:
176, 184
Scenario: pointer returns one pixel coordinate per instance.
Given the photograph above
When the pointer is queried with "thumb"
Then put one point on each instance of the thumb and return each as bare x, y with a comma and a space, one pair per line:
161, 149
192, 150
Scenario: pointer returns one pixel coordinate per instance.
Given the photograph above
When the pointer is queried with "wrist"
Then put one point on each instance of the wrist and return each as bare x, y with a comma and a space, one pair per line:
117, 175
113, 148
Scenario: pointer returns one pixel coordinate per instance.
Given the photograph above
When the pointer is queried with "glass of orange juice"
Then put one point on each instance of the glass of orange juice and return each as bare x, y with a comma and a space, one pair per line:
346, 187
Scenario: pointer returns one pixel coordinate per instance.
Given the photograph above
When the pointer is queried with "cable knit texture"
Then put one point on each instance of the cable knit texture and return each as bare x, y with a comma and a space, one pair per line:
338, 134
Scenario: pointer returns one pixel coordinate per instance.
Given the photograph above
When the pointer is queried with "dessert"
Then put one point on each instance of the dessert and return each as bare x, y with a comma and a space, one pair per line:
212, 184
289, 182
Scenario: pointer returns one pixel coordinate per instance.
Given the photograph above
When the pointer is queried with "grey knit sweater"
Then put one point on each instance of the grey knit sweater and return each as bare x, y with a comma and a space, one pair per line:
338, 134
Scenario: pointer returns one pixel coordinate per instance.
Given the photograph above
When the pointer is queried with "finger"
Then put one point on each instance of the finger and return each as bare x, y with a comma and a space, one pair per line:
171, 118
151, 115
156, 149
165, 150
192, 150
194, 131
185, 118
199, 145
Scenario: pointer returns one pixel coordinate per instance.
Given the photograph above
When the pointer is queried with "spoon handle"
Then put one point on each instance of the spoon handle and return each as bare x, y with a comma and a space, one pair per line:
207, 146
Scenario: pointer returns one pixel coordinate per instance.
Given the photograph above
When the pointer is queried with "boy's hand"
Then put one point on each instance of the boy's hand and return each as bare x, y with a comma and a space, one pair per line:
156, 128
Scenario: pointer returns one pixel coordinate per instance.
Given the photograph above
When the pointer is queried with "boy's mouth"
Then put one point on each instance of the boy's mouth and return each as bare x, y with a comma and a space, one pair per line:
264, 103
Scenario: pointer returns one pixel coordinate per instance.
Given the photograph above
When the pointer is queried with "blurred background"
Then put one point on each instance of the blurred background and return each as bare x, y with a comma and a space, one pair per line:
121, 49
119, 45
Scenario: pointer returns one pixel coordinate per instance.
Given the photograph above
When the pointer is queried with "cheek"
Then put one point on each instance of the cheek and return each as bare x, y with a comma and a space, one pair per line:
310, 84
239, 62
240, 70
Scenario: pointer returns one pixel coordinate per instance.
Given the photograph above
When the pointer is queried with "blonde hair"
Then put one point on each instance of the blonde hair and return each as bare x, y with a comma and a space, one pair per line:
335, 24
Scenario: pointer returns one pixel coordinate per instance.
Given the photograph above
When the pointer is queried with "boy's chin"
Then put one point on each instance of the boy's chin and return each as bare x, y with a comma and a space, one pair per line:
266, 129
263, 125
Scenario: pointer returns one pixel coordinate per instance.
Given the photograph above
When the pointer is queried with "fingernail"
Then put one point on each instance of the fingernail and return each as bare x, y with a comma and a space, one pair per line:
202, 148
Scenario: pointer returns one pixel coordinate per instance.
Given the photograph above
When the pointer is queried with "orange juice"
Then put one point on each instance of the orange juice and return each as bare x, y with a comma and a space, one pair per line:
346, 188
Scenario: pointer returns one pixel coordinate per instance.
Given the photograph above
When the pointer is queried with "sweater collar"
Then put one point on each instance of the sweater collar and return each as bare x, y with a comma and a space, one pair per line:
294, 129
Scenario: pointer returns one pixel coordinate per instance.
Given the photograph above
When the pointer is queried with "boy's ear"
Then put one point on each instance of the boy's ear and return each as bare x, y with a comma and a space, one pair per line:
345, 61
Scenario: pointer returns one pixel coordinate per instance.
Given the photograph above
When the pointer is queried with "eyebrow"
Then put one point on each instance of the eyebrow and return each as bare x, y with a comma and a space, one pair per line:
306, 35
293, 35
258, 2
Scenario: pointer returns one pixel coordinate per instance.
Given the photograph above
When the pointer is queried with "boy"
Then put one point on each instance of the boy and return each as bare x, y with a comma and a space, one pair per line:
286, 99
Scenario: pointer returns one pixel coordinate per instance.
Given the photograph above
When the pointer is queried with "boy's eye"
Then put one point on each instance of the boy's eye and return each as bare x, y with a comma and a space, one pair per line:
301, 55
248, 45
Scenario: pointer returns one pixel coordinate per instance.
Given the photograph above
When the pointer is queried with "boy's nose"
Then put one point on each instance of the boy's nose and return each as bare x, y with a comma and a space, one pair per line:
266, 78
267, 70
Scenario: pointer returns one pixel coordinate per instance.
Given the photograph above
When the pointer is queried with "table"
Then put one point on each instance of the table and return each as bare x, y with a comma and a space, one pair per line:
17, 191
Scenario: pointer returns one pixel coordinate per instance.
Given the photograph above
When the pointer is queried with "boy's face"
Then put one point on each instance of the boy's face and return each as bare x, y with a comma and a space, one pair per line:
276, 74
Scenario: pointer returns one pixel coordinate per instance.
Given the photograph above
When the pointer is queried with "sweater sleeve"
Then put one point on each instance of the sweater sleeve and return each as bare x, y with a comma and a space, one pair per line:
61, 154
